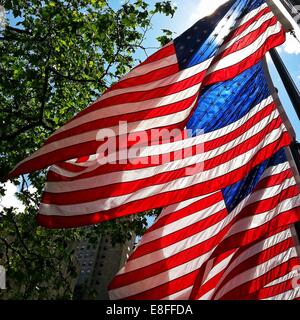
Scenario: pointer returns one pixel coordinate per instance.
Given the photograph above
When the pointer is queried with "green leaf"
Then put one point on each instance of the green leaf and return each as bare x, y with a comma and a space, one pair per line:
49, 72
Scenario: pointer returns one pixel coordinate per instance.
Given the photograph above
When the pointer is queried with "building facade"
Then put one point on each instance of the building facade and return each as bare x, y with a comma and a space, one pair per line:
99, 263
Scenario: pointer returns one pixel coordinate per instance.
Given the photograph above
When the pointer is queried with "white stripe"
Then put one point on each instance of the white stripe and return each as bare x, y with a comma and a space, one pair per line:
173, 79
237, 56
179, 184
180, 295
262, 218
259, 195
180, 205
151, 66
289, 295
256, 25
207, 295
179, 246
289, 276
218, 268
257, 271
129, 74
182, 223
280, 168
251, 15
157, 280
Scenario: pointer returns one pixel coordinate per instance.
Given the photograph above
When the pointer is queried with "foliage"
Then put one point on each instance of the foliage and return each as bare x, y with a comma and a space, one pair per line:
54, 61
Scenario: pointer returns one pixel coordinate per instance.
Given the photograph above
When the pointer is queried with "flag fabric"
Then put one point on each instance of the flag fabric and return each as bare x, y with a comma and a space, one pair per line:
235, 243
242, 127
162, 91
267, 269
168, 91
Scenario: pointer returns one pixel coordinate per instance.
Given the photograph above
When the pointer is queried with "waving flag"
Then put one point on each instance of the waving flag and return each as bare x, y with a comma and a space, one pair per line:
231, 244
167, 91
267, 269
242, 127
162, 91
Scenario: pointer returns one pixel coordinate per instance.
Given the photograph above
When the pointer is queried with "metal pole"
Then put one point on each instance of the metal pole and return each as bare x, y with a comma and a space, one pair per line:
295, 150
294, 96
291, 3
287, 80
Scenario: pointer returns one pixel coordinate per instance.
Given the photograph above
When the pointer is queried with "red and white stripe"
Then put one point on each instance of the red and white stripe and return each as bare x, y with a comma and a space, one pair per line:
156, 94
195, 240
77, 194
265, 269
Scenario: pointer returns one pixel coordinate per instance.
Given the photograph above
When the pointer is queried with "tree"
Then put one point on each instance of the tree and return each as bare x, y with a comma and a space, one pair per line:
56, 57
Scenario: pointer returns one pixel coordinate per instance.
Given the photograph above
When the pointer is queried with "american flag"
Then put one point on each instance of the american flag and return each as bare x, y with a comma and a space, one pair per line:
170, 90
229, 203
235, 243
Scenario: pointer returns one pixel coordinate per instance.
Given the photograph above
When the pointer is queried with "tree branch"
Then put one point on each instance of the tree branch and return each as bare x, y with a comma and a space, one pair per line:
70, 78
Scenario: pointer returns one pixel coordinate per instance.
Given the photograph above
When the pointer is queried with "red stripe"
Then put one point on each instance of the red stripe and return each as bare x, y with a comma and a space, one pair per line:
230, 72
179, 235
186, 211
164, 52
247, 24
219, 141
243, 147
247, 236
242, 290
148, 77
166, 289
255, 261
274, 179
200, 289
247, 39
272, 291
178, 259
264, 205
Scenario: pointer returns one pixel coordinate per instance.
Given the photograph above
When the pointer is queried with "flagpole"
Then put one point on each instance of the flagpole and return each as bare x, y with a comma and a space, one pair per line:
290, 3
287, 81
294, 96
